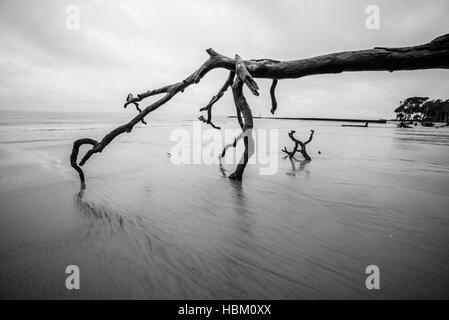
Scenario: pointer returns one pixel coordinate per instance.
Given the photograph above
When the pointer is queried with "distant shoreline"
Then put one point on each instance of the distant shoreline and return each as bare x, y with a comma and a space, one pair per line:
321, 119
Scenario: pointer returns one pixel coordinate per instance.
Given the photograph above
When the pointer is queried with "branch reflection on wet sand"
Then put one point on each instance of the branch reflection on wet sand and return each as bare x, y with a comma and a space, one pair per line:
302, 166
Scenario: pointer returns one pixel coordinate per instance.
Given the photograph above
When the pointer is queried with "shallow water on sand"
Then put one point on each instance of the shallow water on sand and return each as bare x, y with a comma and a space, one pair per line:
146, 228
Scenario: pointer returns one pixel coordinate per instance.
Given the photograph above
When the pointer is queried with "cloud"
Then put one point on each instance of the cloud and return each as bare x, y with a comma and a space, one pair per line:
132, 46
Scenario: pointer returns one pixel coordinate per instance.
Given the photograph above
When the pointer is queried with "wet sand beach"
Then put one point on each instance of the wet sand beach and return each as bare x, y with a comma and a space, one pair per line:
149, 229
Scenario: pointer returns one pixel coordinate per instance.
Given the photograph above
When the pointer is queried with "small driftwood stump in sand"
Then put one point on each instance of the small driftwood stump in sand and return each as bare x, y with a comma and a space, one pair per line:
299, 146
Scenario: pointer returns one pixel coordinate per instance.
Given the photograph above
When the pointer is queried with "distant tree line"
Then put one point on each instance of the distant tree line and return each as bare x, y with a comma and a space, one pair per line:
423, 109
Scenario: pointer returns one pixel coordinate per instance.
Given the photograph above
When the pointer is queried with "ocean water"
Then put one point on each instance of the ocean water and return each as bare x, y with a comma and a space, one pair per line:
148, 228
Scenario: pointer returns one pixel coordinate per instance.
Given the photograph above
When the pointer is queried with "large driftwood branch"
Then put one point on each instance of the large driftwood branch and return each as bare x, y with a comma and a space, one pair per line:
432, 55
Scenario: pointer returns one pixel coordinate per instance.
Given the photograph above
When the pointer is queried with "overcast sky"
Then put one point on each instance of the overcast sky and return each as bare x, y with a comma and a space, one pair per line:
131, 46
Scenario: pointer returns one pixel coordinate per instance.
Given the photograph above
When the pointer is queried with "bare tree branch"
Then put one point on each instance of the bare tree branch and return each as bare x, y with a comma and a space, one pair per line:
310, 138
129, 100
243, 73
74, 156
274, 103
215, 98
244, 109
